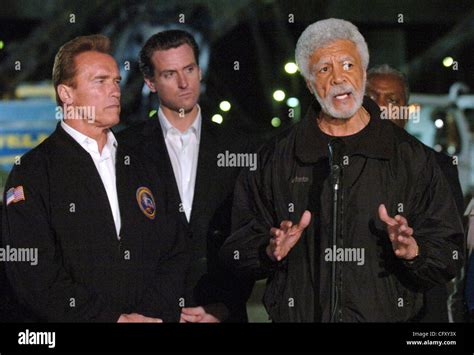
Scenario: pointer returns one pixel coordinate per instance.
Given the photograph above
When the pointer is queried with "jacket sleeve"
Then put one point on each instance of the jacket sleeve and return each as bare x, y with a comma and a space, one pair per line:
219, 284
44, 287
437, 229
252, 219
162, 298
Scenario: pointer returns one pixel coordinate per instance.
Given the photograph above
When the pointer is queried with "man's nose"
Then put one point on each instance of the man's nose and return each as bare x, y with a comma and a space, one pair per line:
337, 75
182, 81
381, 100
116, 90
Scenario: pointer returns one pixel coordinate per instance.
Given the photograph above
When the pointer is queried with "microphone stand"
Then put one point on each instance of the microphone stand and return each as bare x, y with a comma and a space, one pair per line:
336, 172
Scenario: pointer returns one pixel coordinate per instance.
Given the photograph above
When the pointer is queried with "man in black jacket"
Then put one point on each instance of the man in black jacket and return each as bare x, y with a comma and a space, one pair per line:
107, 246
191, 151
389, 88
282, 220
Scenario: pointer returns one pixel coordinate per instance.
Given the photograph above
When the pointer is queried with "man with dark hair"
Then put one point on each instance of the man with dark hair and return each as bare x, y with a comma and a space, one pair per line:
185, 146
107, 247
162, 42
389, 87
397, 232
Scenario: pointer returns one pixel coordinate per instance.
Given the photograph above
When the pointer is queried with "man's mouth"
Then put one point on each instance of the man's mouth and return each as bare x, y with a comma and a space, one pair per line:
342, 96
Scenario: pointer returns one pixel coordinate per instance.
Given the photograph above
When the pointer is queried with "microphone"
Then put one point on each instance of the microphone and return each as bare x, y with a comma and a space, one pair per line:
336, 153
337, 149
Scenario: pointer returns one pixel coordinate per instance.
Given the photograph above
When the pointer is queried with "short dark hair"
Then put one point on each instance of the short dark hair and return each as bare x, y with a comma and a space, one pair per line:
162, 41
64, 68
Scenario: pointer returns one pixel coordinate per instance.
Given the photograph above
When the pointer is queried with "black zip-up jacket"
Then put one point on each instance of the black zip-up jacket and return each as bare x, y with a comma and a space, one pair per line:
383, 165
84, 273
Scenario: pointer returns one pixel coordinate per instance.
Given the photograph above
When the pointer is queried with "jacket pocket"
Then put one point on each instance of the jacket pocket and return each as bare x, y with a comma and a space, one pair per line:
273, 296
408, 302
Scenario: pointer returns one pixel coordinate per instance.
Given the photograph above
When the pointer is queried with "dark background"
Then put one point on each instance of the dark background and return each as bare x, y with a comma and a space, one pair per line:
257, 34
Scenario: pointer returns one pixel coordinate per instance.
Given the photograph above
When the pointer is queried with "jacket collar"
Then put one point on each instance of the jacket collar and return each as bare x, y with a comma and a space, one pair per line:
208, 149
311, 142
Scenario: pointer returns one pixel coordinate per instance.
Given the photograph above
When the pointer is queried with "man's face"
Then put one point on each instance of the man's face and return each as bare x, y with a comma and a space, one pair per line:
177, 78
97, 84
386, 89
338, 78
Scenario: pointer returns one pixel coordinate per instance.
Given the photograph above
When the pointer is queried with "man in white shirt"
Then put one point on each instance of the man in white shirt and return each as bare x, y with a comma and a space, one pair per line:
107, 250
186, 145
183, 150
104, 162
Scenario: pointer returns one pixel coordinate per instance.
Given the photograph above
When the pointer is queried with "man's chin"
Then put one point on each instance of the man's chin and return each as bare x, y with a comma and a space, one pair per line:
106, 122
342, 110
340, 113
185, 108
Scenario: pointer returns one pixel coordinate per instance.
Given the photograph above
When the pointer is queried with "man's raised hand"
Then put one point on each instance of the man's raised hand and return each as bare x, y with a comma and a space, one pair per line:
400, 234
285, 237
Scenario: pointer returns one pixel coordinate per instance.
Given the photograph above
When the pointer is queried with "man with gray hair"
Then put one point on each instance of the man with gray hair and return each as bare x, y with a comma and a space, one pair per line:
397, 233
389, 87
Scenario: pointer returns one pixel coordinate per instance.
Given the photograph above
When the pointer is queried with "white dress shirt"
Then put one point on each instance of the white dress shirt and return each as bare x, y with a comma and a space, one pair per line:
105, 165
183, 150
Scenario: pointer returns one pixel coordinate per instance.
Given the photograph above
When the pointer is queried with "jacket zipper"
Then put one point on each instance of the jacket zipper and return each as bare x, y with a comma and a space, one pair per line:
340, 264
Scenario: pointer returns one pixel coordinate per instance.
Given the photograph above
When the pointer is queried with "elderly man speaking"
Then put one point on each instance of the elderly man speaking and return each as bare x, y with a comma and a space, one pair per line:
398, 232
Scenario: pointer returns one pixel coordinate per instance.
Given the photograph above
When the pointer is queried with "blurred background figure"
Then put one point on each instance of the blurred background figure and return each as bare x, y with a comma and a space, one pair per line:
390, 89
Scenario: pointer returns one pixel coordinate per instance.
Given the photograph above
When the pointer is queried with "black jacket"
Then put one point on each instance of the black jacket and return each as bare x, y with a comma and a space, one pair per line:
385, 165
84, 273
207, 279
445, 303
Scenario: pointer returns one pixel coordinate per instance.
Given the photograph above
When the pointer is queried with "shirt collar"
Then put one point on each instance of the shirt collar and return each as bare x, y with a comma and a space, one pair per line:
166, 126
90, 144
311, 143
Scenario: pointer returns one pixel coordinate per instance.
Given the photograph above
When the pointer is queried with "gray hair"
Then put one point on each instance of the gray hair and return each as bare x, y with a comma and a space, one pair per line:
386, 69
322, 33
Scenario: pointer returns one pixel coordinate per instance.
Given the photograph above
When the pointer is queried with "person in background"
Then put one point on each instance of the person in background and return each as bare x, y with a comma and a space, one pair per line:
389, 87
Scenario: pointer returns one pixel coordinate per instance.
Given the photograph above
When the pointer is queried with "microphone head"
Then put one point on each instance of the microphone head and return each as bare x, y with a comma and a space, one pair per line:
337, 149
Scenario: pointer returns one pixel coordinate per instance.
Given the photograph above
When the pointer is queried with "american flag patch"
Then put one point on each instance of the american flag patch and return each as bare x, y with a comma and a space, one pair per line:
15, 194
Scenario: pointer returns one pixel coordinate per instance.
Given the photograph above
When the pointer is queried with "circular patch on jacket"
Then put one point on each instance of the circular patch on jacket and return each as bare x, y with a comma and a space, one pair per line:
146, 202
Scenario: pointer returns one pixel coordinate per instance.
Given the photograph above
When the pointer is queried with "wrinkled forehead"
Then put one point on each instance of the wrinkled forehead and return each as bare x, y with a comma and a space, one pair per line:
384, 79
386, 83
